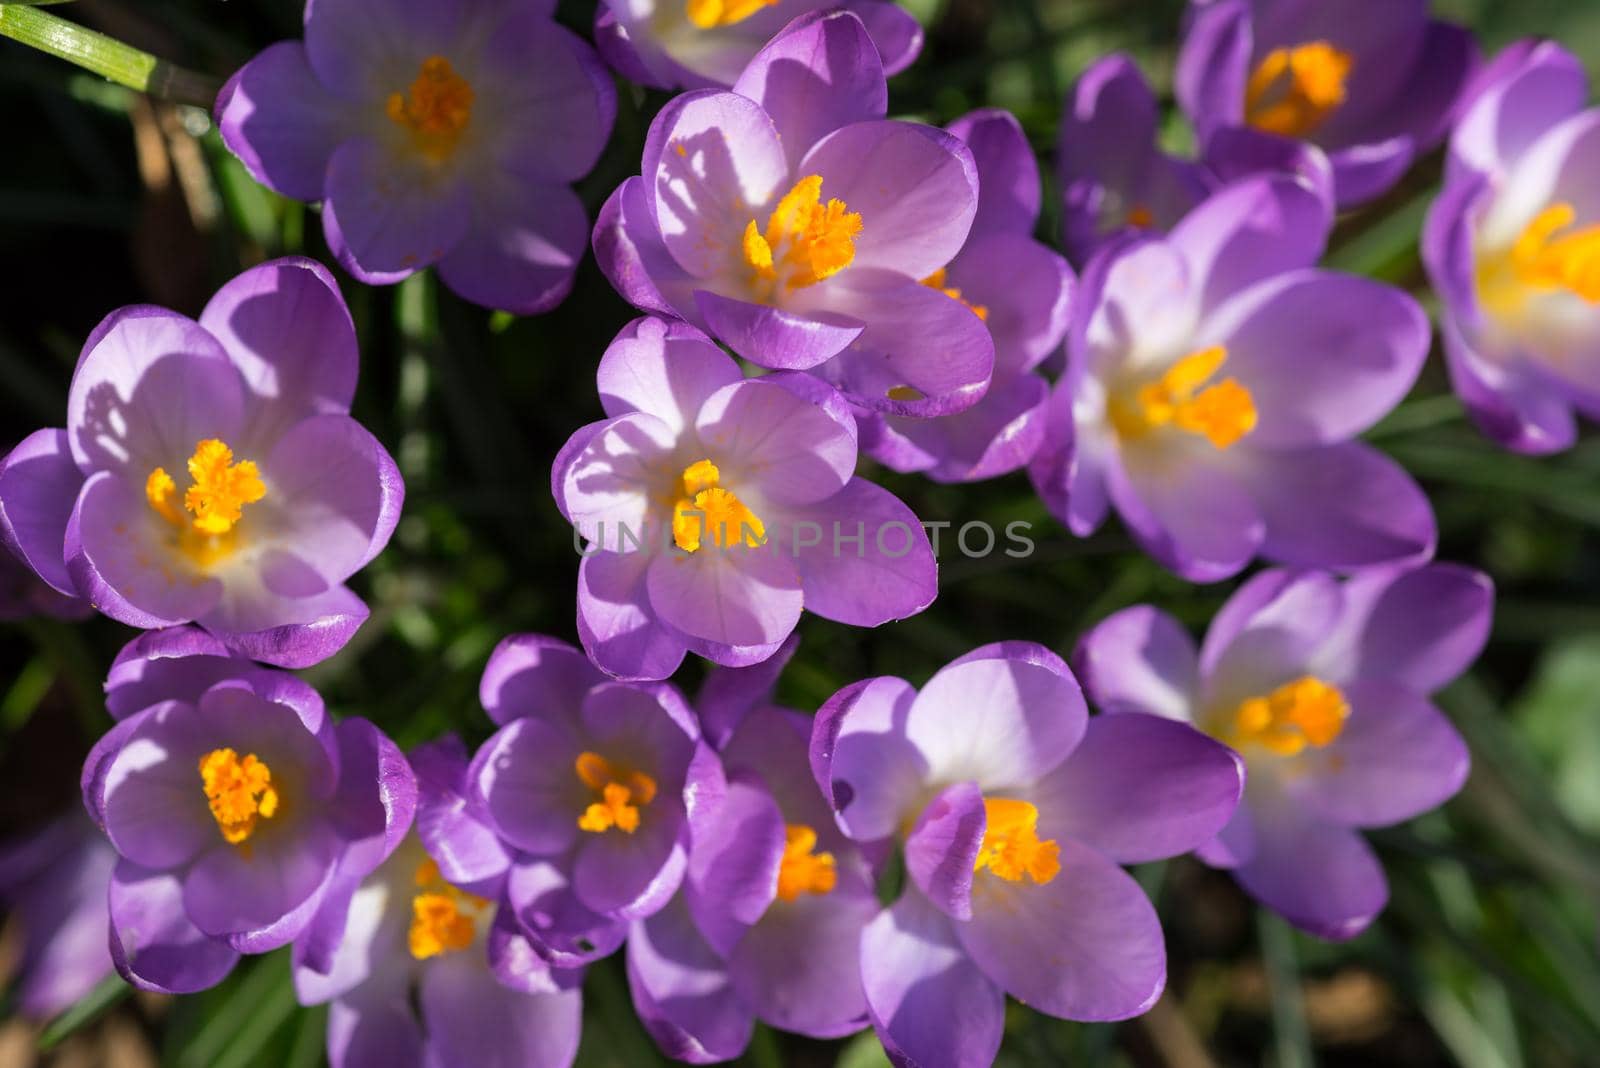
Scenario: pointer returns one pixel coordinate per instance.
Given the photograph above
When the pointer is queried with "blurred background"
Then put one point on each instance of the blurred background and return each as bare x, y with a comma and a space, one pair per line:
1487, 956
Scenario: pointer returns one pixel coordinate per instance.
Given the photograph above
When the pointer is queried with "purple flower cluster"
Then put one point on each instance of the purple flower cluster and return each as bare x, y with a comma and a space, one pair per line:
883, 283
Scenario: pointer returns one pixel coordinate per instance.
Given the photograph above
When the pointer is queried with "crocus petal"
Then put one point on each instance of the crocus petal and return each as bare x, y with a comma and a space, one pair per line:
896, 33
1008, 173
665, 368
1025, 289
1525, 412
227, 893
286, 328
921, 354
150, 384
822, 72
773, 337
174, 664
291, 632
1140, 660
618, 627
558, 925
654, 721
535, 676
153, 943
630, 252
1324, 356
521, 248
150, 800
355, 46
865, 559
735, 596
524, 775
1249, 232
451, 821
471, 1018
383, 219
285, 144
866, 767
1084, 946
1342, 506
942, 849
374, 1029
999, 721
1419, 629
681, 990
1320, 877
796, 449
930, 1004
1397, 757
1268, 630
709, 157
55, 889
915, 187
633, 875
1140, 788
615, 479
1186, 509
39, 486
572, 102
377, 795
1363, 172
737, 850
1529, 88
730, 696
1213, 64
351, 933
994, 437
1234, 153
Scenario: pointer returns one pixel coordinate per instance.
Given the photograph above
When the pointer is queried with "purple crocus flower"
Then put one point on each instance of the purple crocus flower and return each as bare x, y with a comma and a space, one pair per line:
715, 507
1215, 380
700, 44
1322, 687
446, 132
1020, 289
53, 882
1013, 810
1116, 181
235, 805
768, 925
1512, 245
580, 801
210, 471
1374, 83
794, 223
421, 970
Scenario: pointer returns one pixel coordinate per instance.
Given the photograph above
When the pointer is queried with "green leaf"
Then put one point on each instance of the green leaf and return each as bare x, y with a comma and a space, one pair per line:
104, 55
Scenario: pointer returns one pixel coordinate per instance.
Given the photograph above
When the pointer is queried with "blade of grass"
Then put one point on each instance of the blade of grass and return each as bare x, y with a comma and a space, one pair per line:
1291, 1037
110, 991
106, 56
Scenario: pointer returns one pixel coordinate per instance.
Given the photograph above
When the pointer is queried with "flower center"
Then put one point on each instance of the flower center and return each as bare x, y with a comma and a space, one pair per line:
240, 792
804, 870
619, 792
708, 14
1293, 90
1141, 217
218, 490
1304, 712
936, 281
436, 111
1011, 845
1223, 412
704, 507
805, 240
1541, 260
443, 918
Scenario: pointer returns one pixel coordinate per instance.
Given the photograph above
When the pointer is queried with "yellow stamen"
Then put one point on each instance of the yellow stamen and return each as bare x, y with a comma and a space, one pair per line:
936, 281
443, 918
436, 111
704, 507
1141, 217
1294, 90
239, 791
707, 14
1223, 413
806, 240
1011, 845
1539, 260
804, 871
1304, 712
218, 490
620, 790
